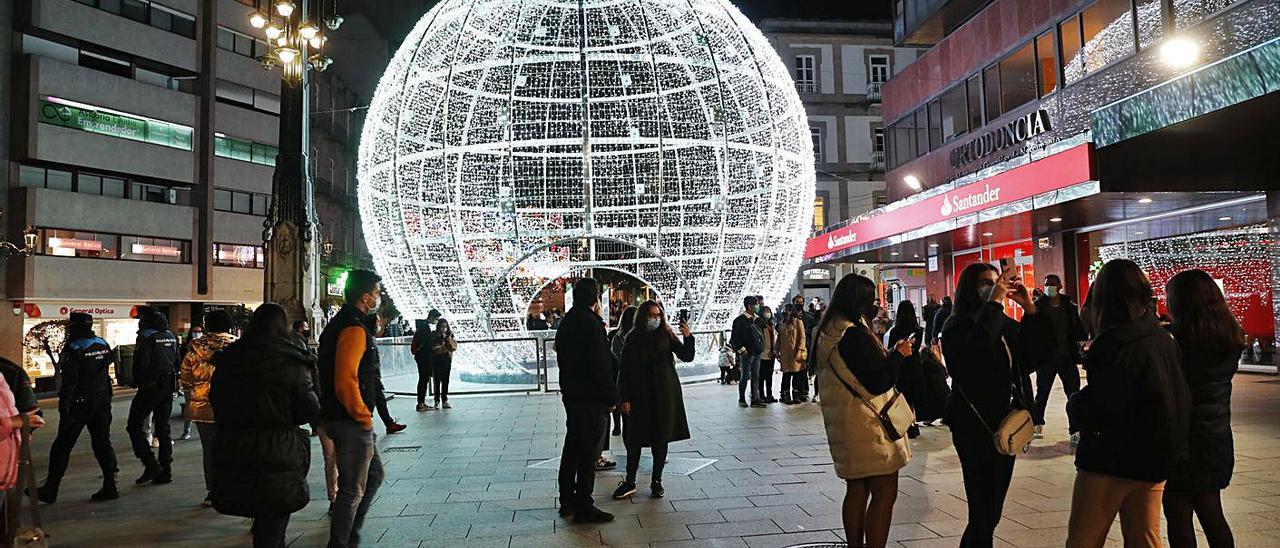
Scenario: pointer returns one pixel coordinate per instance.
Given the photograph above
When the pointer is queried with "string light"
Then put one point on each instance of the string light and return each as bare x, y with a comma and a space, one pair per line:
499, 154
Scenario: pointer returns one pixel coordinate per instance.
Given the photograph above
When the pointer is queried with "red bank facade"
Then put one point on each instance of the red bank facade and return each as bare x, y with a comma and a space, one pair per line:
1055, 135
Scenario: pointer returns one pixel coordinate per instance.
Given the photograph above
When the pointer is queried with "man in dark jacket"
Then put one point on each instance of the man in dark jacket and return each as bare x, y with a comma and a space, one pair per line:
1056, 355
155, 374
349, 381
939, 319
589, 392
929, 310
747, 340
84, 400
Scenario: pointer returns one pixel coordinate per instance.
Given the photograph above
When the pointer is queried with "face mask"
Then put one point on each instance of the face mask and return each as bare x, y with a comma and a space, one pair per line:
652, 324
984, 292
197, 335
768, 316
756, 309
1051, 290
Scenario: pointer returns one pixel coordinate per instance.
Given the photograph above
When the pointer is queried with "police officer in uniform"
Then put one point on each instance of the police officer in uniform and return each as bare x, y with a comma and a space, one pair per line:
155, 370
84, 399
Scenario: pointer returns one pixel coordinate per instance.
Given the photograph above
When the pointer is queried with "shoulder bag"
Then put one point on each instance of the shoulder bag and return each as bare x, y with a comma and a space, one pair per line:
895, 417
1015, 432
29, 536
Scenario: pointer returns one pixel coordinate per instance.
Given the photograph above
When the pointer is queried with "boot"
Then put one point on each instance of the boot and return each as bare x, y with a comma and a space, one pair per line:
108, 491
48, 494
165, 475
149, 473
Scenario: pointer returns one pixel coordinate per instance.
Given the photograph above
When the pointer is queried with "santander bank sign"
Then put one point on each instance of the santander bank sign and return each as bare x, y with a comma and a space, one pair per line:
1070, 167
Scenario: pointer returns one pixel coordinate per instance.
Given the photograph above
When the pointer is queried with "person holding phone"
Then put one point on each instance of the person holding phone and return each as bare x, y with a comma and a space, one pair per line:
906, 327
649, 390
983, 348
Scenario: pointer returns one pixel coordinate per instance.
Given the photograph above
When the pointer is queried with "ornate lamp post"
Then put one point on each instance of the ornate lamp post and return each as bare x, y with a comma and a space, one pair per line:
293, 30
29, 237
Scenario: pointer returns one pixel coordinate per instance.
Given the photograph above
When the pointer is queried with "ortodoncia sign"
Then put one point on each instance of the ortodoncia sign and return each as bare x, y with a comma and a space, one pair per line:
1013, 133
1061, 170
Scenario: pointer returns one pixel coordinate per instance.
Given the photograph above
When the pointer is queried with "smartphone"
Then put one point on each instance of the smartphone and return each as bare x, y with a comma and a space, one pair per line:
683, 315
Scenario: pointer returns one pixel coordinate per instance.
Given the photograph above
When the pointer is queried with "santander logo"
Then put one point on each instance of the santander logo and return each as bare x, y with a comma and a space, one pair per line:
959, 203
834, 241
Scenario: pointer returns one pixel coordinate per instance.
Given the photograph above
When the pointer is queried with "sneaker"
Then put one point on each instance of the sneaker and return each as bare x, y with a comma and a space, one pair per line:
149, 473
742, 403
605, 464
624, 490
108, 492
656, 491
592, 515
446, 405
186, 435
395, 427
422, 407
1039, 433
758, 404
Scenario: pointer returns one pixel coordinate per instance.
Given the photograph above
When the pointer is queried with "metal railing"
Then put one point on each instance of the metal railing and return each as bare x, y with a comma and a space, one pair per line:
806, 87
873, 91
877, 160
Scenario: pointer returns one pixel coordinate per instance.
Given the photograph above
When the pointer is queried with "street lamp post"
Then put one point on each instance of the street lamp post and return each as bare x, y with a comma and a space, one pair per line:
297, 46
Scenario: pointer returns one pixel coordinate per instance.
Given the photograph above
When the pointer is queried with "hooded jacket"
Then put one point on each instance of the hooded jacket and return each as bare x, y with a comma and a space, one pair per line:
1133, 415
261, 391
197, 371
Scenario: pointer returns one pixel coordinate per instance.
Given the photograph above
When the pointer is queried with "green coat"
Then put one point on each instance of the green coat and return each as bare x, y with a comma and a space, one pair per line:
648, 381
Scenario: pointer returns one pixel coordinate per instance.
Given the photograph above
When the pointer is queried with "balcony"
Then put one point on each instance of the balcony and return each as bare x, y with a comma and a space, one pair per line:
806, 87
877, 161
873, 91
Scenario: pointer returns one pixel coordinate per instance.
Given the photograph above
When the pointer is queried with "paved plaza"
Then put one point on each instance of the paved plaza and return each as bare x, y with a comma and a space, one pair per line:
461, 477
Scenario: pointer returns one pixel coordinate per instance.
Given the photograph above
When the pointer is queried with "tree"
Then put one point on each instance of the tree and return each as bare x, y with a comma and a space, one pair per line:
47, 337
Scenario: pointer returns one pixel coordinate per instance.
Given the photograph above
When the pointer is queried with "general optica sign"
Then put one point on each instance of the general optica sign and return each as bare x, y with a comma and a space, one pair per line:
1061, 170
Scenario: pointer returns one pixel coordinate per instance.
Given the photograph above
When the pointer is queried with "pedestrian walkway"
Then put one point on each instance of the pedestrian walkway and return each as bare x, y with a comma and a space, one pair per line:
461, 477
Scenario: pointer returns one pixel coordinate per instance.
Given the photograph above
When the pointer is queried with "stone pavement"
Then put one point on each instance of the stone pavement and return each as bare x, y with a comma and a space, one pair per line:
468, 483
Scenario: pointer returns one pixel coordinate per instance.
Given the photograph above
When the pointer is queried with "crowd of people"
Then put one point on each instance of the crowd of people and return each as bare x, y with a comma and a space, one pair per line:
1151, 429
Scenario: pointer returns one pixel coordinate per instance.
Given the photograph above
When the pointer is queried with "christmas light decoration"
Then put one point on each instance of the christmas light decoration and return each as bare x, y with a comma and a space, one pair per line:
511, 143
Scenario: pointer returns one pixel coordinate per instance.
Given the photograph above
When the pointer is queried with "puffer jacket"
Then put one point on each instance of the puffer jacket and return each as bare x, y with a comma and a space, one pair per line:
261, 391
1134, 414
1211, 447
197, 371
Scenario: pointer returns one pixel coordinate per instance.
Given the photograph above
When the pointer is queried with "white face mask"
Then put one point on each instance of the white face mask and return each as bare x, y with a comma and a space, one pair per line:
652, 324
1051, 290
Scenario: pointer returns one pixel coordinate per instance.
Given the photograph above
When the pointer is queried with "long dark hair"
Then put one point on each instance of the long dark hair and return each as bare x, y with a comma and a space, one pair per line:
627, 321
967, 299
852, 298
907, 316
637, 327
1121, 294
1201, 318
268, 322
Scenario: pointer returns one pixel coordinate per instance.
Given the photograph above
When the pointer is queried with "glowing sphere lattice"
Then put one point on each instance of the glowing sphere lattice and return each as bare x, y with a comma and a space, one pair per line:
514, 142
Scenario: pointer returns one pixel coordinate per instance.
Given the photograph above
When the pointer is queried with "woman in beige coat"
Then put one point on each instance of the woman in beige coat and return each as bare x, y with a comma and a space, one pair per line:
792, 353
856, 374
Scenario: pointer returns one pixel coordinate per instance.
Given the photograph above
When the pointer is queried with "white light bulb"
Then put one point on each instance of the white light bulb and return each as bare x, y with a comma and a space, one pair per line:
257, 20
307, 31
273, 32
913, 182
1179, 52
284, 7
287, 55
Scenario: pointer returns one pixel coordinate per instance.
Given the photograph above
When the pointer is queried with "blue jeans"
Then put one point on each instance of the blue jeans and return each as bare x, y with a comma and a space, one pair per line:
750, 374
359, 475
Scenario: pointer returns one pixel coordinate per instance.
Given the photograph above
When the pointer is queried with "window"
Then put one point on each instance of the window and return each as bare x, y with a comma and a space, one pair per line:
260, 203
819, 212
935, 124
877, 139
1046, 63
31, 176
222, 200
1018, 78
89, 184
991, 92
1108, 33
1072, 59
58, 180
922, 132
973, 89
904, 140
1190, 12
805, 81
239, 256
816, 134
878, 68
106, 64
74, 243
954, 116
159, 250
150, 193
234, 201
242, 44
241, 203
1150, 22
134, 9
113, 187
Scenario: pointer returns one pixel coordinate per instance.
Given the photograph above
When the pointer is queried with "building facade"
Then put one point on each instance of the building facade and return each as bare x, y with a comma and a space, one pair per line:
1054, 136
103, 124
840, 68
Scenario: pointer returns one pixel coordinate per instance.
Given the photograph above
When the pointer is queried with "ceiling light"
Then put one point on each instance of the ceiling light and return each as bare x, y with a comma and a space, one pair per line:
913, 182
916, 256
1179, 52
1144, 201
894, 254
862, 260
988, 234
1224, 218
933, 245
1056, 220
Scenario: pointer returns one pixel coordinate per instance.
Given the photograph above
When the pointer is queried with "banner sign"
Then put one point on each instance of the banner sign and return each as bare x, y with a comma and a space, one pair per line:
62, 311
1061, 170
156, 250
72, 115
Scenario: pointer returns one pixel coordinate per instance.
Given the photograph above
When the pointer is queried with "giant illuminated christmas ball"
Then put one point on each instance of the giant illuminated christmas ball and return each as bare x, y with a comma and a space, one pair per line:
514, 142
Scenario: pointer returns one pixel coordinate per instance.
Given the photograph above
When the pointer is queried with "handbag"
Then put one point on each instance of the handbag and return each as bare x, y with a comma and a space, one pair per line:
1016, 430
29, 536
896, 416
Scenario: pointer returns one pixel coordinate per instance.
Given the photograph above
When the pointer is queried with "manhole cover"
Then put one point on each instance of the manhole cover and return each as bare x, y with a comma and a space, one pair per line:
676, 466
406, 449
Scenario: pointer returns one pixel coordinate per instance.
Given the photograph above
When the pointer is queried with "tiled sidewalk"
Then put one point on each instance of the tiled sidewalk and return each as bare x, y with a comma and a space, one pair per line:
772, 484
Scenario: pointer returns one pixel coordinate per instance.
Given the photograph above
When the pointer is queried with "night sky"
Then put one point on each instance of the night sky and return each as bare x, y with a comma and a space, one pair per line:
858, 10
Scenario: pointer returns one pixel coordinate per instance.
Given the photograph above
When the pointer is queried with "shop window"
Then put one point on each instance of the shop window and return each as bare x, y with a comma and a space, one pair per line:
1150, 22
1046, 63
1108, 33
1072, 61
72, 243
1018, 78
953, 115
805, 74
973, 90
922, 132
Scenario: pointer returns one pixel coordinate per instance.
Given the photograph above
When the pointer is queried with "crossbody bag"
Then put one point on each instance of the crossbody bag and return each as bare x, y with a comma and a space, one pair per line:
1016, 430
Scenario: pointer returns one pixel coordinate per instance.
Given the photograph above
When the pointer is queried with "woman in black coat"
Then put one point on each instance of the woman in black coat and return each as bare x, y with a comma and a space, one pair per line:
983, 348
261, 391
911, 375
1132, 417
650, 393
1211, 341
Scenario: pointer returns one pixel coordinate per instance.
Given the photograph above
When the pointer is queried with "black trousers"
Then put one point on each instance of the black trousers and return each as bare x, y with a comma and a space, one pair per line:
154, 399
387, 419
659, 451
585, 424
424, 381
94, 413
441, 367
766, 377
986, 482
795, 386
1064, 368
269, 532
